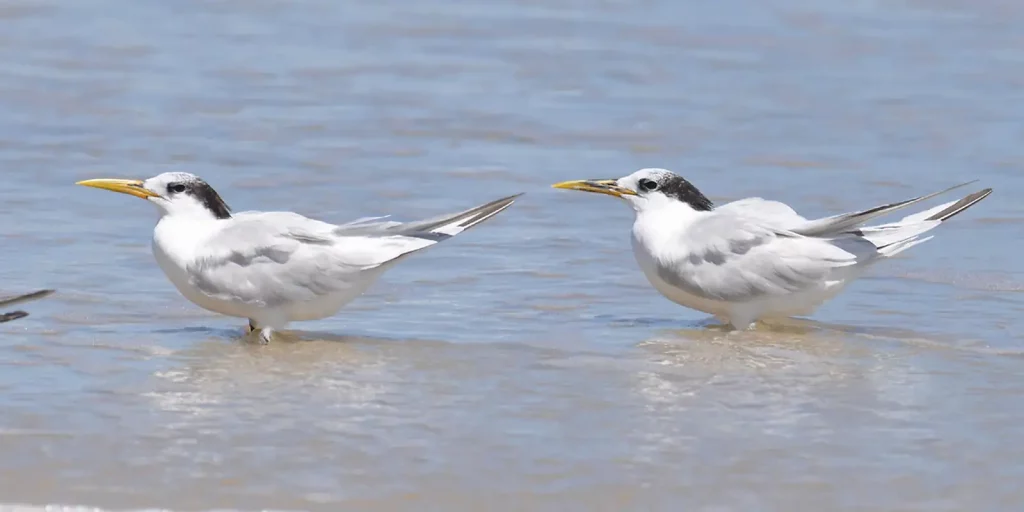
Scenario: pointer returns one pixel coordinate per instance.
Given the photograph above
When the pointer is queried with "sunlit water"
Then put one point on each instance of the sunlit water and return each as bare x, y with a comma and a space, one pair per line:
524, 365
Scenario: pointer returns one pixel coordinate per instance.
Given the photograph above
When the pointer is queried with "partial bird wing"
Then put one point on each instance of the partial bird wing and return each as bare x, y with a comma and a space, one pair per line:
844, 222
274, 258
754, 247
18, 299
773, 213
735, 258
436, 228
12, 315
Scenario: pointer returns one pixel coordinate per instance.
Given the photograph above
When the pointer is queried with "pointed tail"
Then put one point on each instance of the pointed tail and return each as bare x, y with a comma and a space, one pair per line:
447, 226
896, 237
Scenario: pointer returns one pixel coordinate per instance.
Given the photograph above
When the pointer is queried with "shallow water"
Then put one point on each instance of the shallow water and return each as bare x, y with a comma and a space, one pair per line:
525, 364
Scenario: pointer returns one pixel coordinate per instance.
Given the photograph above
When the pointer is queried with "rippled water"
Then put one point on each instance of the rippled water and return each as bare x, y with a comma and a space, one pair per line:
525, 364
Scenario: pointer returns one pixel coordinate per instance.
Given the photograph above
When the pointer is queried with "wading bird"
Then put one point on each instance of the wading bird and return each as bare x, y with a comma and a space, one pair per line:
275, 267
754, 258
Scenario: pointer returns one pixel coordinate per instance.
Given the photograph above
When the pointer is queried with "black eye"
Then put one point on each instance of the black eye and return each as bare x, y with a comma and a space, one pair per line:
176, 188
648, 185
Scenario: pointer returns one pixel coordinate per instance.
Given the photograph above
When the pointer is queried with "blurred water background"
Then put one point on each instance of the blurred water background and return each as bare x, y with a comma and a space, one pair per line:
525, 365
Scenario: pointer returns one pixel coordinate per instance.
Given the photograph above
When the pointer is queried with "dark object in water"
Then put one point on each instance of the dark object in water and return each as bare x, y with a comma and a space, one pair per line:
10, 301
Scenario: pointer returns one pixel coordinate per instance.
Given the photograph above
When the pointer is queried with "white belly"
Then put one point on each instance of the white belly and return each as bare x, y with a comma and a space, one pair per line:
740, 314
314, 309
673, 293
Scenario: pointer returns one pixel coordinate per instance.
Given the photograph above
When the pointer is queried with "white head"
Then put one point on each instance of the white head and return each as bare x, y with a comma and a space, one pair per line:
173, 193
646, 189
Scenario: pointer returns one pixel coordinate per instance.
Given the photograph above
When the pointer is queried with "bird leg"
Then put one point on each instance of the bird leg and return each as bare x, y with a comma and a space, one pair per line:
265, 335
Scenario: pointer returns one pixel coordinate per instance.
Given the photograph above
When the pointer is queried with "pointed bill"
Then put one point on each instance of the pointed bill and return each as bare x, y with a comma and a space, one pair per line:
609, 187
130, 187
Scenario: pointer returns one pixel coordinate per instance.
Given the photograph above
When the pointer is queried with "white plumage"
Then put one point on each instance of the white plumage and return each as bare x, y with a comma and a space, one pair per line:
755, 258
276, 267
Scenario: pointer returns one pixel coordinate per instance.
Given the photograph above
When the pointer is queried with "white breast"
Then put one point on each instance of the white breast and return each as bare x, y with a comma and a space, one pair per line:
177, 242
647, 264
174, 247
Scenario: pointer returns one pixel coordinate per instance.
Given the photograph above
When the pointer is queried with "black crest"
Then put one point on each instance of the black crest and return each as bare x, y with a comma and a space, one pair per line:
676, 187
203, 193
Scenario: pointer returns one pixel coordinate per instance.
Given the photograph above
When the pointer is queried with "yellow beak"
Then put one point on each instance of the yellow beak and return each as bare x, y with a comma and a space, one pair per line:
130, 187
609, 187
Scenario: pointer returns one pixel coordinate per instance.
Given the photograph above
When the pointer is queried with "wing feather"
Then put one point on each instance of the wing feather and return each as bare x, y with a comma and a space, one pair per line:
10, 301
273, 258
846, 221
736, 259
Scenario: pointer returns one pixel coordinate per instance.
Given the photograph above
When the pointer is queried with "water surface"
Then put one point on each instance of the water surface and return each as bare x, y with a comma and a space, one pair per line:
525, 365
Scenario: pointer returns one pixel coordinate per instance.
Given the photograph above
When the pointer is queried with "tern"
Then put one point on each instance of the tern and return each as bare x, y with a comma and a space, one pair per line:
275, 267
10, 301
753, 258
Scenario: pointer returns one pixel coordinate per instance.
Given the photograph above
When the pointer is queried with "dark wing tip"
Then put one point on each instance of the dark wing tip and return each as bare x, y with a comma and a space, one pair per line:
435, 229
961, 205
13, 315
482, 213
7, 301
510, 198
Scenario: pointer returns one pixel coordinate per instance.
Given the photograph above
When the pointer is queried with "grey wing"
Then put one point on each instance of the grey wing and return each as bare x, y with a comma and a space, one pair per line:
436, 229
281, 257
847, 221
770, 212
273, 258
736, 259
